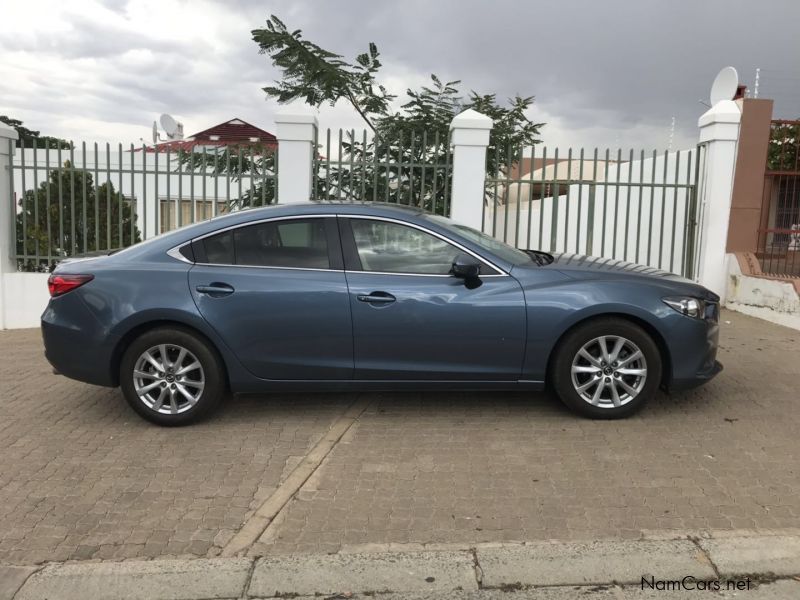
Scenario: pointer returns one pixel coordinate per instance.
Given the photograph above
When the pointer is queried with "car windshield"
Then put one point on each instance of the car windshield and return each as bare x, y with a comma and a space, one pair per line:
496, 247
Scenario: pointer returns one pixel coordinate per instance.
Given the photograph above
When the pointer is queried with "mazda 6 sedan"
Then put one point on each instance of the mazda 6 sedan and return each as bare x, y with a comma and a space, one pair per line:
370, 297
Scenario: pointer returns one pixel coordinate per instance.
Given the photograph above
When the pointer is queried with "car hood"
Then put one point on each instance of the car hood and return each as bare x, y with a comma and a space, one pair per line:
581, 267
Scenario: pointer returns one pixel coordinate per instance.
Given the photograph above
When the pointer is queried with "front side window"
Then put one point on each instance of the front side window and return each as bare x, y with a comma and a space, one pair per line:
484, 240
295, 243
393, 248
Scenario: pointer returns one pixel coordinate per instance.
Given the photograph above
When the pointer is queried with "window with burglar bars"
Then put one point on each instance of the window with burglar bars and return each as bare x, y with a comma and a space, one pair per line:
88, 199
779, 233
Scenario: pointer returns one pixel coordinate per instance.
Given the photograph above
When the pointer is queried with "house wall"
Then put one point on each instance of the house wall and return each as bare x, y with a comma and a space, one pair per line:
748, 181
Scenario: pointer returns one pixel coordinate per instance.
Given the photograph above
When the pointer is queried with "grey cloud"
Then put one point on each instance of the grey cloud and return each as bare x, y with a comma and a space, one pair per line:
620, 60
87, 38
616, 64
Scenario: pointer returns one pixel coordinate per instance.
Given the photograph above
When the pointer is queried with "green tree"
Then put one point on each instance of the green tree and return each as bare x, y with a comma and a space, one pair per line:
29, 138
54, 220
784, 146
405, 157
252, 162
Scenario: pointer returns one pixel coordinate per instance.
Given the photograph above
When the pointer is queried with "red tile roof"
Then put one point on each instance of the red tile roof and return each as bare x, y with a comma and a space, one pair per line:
230, 133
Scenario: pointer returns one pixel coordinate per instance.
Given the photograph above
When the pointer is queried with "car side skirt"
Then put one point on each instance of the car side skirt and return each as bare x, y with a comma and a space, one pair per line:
333, 385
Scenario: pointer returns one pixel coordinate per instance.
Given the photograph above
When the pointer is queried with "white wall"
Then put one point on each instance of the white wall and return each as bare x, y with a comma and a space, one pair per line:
23, 299
770, 299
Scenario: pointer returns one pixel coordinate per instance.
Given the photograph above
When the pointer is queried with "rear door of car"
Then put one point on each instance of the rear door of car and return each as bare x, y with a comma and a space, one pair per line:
276, 292
414, 321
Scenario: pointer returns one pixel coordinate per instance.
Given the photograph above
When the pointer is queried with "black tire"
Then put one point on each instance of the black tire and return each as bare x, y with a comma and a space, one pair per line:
212, 372
571, 344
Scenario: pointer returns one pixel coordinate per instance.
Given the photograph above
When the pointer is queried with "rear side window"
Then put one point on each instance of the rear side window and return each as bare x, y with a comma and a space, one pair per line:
219, 249
296, 243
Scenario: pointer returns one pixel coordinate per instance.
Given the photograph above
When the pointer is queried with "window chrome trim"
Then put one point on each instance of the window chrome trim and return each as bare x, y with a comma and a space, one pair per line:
175, 252
259, 221
414, 274
199, 264
502, 272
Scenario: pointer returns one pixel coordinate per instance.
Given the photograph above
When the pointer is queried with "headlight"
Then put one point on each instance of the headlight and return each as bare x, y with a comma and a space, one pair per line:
691, 307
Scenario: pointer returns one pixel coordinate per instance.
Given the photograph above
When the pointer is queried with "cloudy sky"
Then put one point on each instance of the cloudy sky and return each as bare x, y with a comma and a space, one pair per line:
604, 72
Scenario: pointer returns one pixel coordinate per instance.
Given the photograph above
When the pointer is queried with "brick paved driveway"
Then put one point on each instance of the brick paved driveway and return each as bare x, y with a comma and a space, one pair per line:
83, 477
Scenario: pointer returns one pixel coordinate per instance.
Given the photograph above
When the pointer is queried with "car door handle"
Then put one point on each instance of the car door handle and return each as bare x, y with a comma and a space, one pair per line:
376, 298
216, 290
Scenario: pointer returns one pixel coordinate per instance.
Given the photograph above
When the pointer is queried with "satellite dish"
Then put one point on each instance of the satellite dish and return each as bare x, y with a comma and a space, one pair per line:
724, 86
170, 125
155, 133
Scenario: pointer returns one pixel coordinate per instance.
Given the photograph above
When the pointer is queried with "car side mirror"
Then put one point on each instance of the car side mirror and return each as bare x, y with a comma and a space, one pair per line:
466, 267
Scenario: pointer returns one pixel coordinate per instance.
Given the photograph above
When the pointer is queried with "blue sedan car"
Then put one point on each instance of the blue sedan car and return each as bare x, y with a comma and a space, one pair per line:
370, 297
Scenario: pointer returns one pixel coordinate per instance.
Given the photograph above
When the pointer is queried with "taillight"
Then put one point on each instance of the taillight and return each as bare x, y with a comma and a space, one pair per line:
61, 284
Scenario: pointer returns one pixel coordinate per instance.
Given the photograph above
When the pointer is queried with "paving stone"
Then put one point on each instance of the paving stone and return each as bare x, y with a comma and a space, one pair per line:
82, 475
512, 466
77, 461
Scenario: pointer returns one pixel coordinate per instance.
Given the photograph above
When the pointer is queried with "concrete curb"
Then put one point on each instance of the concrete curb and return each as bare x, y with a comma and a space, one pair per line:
594, 563
204, 578
453, 573
12, 579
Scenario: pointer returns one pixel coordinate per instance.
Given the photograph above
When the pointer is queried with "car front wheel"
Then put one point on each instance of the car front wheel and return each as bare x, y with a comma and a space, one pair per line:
606, 369
171, 376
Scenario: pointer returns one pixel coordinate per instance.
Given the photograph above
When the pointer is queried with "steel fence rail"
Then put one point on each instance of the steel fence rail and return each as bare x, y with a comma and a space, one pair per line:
634, 206
412, 170
82, 200
638, 206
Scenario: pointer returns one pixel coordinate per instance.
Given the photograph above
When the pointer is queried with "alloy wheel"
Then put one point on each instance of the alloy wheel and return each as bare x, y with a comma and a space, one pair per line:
168, 379
609, 371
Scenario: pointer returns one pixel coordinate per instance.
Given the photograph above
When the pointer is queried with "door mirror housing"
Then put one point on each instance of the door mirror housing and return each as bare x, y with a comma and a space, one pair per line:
466, 267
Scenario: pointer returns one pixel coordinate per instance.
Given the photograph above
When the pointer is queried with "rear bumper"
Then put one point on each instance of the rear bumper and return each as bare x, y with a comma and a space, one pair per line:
74, 343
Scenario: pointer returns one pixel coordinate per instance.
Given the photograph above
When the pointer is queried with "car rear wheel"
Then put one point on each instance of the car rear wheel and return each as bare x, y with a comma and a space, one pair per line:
606, 369
171, 376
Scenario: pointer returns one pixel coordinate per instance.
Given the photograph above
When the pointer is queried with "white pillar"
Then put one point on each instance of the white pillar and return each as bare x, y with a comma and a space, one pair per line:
296, 130
8, 139
470, 137
719, 130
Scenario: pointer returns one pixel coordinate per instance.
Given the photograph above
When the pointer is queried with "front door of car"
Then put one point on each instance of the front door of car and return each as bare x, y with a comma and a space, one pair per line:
276, 293
414, 321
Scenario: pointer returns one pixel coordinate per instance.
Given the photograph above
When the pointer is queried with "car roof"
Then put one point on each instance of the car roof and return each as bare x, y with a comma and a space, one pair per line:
376, 209
411, 214
332, 206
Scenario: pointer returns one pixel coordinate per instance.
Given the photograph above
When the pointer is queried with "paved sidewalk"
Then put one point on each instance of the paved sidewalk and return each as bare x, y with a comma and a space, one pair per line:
471, 468
82, 477
734, 566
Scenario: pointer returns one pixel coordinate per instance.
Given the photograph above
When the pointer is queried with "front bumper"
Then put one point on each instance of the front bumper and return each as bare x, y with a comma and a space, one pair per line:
693, 348
702, 377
